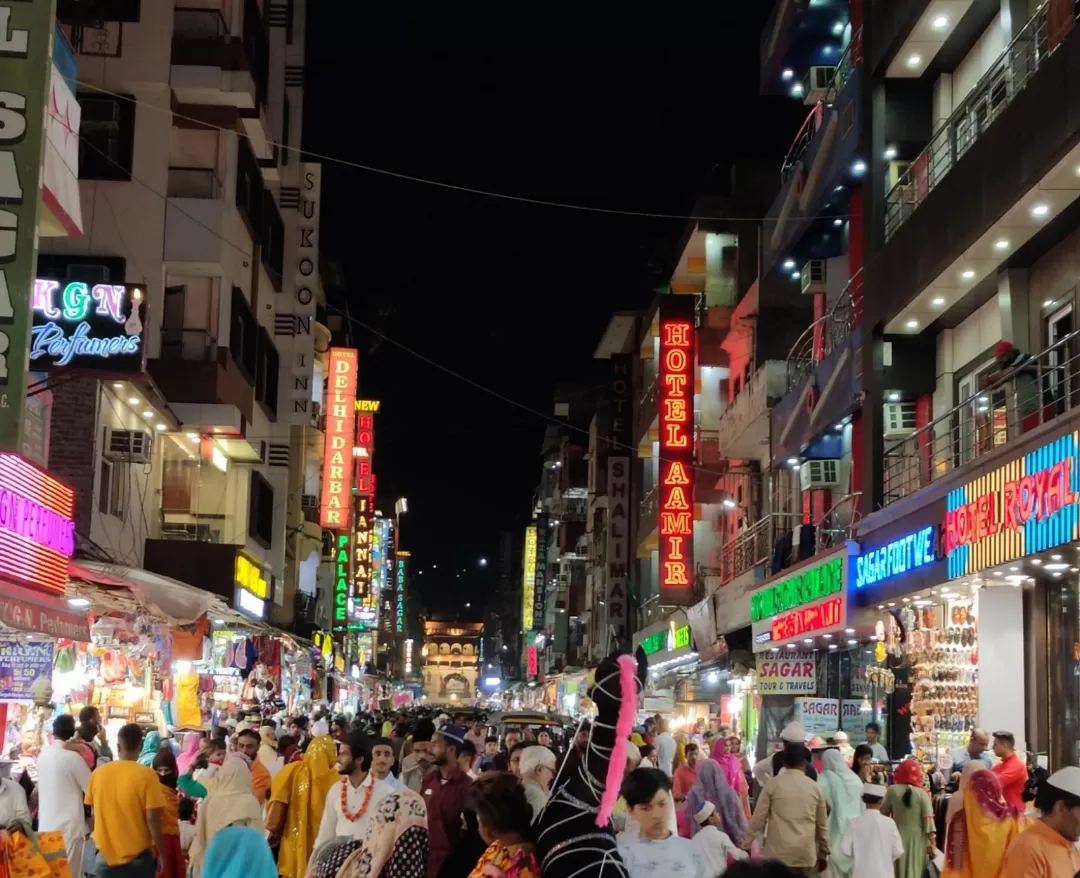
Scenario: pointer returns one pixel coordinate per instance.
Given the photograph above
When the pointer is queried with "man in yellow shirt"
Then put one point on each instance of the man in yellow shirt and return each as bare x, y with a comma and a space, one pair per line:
127, 807
1047, 849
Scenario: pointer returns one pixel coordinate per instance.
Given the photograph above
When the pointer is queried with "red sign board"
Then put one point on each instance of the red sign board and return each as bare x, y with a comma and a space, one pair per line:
37, 530
365, 442
806, 620
336, 505
27, 610
532, 662
676, 525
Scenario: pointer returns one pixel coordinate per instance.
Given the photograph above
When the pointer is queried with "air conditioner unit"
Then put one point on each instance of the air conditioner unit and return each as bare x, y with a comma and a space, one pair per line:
813, 276
309, 501
899, 420
131, 446
818, 83
819, 474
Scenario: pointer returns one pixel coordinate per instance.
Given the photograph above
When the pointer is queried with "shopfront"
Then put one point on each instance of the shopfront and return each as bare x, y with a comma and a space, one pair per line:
669, 650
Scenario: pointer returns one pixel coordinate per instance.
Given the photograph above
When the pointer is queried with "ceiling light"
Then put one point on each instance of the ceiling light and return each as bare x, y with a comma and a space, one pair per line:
1013, 569
1001, 244
852, 642
118, 384
893, 397
1048, 304
838, 28
1036, 561
792, 461
849, 630
133, 400
998, 573
1056, 557
148, 414
787, 74
912, 324
839, 426
890, 153
809, 640
967, 274
838, 222
937, 301
789, 264
859, 167
795, 275
194, 437
160, 428
1057, 575
940, 22
827, 636
1056, 566
1040, 210
775, 649
729, 503
914, 61
832, 646
78, 602
796, 90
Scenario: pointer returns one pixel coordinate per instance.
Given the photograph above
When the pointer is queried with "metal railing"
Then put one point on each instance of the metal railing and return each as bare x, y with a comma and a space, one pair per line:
754, 546
1005, 79
650, 507
838, 524
1012, 403
851, 59
193, 183
826, 334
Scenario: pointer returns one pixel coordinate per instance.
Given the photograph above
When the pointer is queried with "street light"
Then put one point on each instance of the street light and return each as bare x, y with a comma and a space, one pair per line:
483, 562
467, 606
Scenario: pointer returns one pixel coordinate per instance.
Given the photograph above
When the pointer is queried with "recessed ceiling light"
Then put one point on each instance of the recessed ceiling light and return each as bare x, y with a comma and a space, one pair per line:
832, 646
1048, 303
1013, 569
792, 461
789, 264
912, 324
859, 167
1056, 557
133, 400
914, 61
787, 74
967, 274
78, 602
148, 414
1001, 244
890, 153
852, 642
1036, 561
118, 384
893, 397
940, 22
160, 428
998, 573
795, 275
796, 89
775, 649
838, 222
937, 301
838, 28
809, 640
1040, 210
849, 630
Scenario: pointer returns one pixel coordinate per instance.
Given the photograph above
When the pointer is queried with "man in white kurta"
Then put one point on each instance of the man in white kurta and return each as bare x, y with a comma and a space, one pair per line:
63, 777
354, 765
872, 842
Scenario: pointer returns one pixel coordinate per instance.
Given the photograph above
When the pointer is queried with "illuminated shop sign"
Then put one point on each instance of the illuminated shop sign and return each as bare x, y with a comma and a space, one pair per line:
251, 586
543, 537
37, 530
368, 405
341, 583
812, 601
676, 526
365, 451
667, 641
363, 611
382, 583
84, 326
408, 656
399, 597
1028, 505
336, 506
899, 556
528, 578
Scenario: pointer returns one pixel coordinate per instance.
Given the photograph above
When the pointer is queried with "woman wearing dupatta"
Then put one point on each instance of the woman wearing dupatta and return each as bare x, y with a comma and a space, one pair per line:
908, 803
843, 793
731, 763
229, 802
300, 788
150, 747
168, 775
396, 844
980, 830
711, 785
239, 852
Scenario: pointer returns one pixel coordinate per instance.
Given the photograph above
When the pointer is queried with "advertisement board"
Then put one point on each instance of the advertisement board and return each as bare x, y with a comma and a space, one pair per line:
26, 671
808, 602
337, 475
792, 672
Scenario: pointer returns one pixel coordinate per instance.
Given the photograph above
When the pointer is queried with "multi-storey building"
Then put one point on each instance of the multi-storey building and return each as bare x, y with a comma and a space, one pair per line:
195, 204
451, 656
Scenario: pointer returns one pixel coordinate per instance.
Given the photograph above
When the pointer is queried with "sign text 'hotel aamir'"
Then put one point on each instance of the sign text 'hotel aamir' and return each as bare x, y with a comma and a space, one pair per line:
337, 476
676, 526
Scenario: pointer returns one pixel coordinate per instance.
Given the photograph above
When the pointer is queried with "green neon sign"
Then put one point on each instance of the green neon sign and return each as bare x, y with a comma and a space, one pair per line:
665, 640
805, 587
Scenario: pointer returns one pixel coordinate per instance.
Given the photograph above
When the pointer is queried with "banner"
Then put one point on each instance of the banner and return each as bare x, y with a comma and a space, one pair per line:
26, 671
794, 673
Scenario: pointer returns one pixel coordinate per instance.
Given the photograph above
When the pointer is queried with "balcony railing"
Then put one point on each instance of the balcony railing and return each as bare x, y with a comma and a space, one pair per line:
650, 507
838, 524
754, 546
826, 334
188, 344
1013, 403
193, 183
768, 382
998, 87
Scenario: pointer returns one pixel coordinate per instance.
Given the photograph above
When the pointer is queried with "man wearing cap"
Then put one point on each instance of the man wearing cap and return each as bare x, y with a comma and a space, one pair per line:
1048, 848
872, 842
444, 794
1011, 770
793, 733
714, 843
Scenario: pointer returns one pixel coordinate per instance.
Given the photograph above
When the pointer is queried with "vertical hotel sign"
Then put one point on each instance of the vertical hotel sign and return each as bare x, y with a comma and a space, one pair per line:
26, 38
1028, 505
676, 526
528, 578
336, 506
543, 537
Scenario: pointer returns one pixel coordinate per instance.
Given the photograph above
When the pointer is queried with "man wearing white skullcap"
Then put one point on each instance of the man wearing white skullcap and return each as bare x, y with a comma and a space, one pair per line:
872, 842
1048, 847
715, 844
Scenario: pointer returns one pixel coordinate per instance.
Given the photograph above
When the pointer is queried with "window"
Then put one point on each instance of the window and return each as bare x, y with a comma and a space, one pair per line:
261, 510
273, 240
249, 197
243, 335
266, 376
112, 489
106, 137
285, 123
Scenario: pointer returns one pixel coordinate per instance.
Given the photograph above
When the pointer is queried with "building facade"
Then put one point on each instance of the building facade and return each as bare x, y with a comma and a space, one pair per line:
451, 661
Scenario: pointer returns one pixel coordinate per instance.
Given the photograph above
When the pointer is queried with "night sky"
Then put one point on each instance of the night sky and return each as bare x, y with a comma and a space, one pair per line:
605, 113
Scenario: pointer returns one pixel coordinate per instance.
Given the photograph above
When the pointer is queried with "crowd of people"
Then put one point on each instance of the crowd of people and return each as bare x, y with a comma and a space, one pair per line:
427, 795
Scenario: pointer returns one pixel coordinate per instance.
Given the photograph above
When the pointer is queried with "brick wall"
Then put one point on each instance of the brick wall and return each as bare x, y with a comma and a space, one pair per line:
72, 439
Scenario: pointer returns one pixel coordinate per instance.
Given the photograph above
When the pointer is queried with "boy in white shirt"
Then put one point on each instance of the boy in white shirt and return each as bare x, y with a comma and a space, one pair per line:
714, 843
872, 842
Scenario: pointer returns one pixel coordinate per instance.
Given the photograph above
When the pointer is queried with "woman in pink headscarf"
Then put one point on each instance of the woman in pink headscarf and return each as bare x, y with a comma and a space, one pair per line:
190, 751
732, 766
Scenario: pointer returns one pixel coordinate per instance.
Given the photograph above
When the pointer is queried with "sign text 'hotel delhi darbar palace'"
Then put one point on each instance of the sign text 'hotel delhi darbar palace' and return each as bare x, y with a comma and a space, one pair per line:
1025, 506
676, 417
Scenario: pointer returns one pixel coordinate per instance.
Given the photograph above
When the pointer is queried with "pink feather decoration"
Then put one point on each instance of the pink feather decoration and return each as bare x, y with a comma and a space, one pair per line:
624, 725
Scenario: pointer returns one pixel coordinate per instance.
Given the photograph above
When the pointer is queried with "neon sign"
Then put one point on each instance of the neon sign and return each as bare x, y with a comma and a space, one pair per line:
341, 583
249, 575
539, 608
368, 405
899, 556
807, 586
86, 327
37, 530
361, 605
364, 451
336, 508
806, 620
399, 592
1028, 505
528, 578
670, 640
676, 526
814, 600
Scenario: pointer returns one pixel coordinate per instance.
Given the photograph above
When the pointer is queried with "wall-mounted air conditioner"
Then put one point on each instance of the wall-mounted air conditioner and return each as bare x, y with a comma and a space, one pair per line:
813, 277
132, 446
899, 419
819, 474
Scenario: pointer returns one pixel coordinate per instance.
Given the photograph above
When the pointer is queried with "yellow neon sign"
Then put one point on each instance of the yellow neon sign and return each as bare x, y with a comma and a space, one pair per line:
249, 576
528, 582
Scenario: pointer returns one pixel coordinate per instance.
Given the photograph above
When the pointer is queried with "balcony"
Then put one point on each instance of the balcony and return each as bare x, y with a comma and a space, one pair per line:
744, 426
754, 546
195, 219
998, 88
209, 65
1045, 388
708, 447
208, 376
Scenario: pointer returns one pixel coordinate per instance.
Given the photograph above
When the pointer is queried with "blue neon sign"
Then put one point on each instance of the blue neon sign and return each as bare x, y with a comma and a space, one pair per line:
899, 556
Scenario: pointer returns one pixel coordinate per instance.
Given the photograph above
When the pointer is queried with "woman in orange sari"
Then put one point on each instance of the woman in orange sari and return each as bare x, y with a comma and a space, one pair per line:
980, 831
300, 789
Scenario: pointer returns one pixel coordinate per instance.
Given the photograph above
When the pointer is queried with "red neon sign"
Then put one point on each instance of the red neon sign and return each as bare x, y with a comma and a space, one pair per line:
676, 526
1029, 498
336, 505
37, 530
533, 663
365, 442
807, 619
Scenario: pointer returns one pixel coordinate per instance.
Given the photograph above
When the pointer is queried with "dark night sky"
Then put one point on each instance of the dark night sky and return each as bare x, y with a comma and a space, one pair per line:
514, 297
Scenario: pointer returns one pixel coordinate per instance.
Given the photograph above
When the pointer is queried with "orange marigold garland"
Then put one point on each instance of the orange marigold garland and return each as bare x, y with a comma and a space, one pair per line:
352, 818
